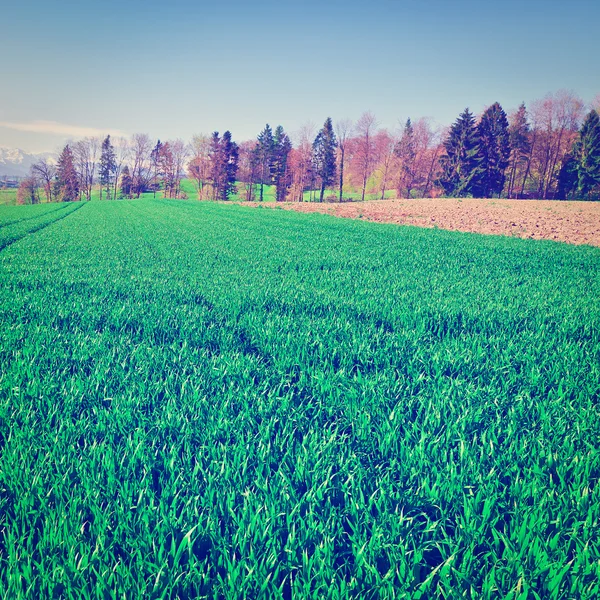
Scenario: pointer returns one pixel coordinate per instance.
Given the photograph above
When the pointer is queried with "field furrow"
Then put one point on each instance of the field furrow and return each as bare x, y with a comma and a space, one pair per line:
12, 231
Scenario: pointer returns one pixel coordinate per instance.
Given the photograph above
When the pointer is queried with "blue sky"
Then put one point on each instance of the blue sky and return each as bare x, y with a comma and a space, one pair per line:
176, 68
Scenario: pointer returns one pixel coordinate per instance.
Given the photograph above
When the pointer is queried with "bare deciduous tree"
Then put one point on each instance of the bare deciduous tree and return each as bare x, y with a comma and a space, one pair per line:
122, 154
180, 152
199, 165
86, 152
45, 172
248, 167
27, 192
301, 162
343, 131
556, 119
365, 128
141, 147
384, 145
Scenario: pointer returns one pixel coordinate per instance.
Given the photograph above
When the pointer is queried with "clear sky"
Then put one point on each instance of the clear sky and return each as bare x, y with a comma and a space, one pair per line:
178, 67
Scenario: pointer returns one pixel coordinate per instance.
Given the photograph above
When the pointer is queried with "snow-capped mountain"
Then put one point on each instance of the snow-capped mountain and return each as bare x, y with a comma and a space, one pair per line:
14, 161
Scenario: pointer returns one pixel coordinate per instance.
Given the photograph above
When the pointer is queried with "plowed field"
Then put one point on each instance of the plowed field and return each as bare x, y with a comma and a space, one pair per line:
571, 222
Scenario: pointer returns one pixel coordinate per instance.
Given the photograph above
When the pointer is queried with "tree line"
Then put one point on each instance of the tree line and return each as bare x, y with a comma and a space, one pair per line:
550, 151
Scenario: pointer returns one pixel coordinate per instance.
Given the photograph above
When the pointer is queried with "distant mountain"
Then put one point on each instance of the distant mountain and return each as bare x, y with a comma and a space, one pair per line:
14, 161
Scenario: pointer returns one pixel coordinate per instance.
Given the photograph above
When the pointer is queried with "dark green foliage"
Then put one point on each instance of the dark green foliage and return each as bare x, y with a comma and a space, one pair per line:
459, 163
406, 153
264, 157
587, 155
324, 157
493, 151
107, 165
567, 178
126, 182
67, 179
282, 146
224, 162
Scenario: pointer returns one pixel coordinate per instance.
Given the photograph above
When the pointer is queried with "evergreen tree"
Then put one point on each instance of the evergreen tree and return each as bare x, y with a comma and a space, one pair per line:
459, 162
264, 156
405, 151
520, 146
67, 180
324, 148
107, 165
230, 153
493, 152
216, 161
567, 178
281, 177
587, 155
223, 154
126, 182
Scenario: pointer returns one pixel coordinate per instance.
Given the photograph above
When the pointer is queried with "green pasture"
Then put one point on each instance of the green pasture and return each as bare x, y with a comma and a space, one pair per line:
8, 197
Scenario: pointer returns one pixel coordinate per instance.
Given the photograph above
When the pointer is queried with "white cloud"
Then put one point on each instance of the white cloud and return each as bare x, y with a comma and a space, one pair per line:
63, 129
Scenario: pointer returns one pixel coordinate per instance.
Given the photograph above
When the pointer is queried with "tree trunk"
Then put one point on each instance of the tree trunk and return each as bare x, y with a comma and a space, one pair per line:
430, 172
341, 172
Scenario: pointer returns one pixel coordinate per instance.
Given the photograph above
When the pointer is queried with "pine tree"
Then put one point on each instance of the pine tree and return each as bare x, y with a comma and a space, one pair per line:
107, 166
567, 178
281, 176
324, 148
223, 154
264, 155
67, 180
216, 161
587, 155
520, 146
126, 182
230, 154
405, 151
459, 163
493, 152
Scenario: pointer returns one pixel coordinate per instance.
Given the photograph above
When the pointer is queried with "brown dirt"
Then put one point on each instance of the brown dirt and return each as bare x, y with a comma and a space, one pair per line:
570, 222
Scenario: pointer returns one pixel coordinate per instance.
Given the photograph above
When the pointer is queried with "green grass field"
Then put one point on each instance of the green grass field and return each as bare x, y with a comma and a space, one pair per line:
189, 188
211, 401
8, 197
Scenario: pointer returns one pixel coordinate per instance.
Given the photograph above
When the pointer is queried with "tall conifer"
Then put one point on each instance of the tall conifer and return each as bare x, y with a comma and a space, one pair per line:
459, 162
67, 180
230, 155
107, 166
126, 182
324, 148
492, 153
224, 154
282, 148
587, 155
264, 155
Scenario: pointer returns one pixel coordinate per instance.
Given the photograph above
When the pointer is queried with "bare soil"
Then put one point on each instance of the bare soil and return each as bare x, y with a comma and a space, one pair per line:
570, 222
